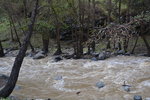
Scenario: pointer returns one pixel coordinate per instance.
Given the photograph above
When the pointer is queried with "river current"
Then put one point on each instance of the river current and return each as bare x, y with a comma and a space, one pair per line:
76, 79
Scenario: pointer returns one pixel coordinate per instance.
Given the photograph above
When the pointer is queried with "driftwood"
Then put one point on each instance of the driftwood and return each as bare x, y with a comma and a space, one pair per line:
139, 27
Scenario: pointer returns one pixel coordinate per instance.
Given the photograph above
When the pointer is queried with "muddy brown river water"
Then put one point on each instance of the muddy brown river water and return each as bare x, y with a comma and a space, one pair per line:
62, 80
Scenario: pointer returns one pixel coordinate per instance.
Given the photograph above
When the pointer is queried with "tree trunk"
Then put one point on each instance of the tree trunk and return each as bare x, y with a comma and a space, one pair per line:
11, 32
58, 51
15, 30
147, 45
45, 39
31, 46
57, 24
125, 44
93, 46
1, 50
132, 52
109, 10
94, 8
128, 11
8, 88
119, 17
108, 45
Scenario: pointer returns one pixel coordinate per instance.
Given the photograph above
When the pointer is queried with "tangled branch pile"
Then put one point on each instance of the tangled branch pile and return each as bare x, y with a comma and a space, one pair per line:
113, 32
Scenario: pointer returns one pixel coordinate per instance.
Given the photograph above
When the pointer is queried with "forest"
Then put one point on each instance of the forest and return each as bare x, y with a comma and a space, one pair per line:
71, 45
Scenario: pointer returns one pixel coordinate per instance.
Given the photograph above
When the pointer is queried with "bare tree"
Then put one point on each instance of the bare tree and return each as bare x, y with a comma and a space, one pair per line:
8, 88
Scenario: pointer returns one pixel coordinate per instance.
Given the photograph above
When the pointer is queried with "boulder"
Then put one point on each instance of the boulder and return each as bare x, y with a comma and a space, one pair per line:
13, 98
58, 77
3, 77
95, 54
39, 56
102, 56
126, 88
3, 80
120, 52
137, 97
94, 59
68, 56
127, 54
100, 84
17, 87
147, 98
58, 58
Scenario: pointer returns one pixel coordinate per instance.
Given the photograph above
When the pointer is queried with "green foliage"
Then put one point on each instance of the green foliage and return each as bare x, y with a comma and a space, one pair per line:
145, 16
4, 26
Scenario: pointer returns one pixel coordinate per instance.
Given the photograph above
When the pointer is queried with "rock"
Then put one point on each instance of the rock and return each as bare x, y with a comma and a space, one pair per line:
94, 59
4, 77
87, 56
102, 56
127, 54
144, 54
95, 54
3, 80
78, 92
13, 98
59, 77
42, 52
100, 84
126, 88
31, 54
58, 58
68, 56
147, 98
120, 52
108, 54
17, 87
39, 56
137, 97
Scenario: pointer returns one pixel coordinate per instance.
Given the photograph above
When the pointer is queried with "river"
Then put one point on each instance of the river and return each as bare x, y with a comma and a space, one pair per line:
76, 79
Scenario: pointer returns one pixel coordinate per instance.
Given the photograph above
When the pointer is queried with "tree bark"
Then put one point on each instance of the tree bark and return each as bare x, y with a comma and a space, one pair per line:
45, 39
15, 30
31, 46
147, 45
128, 11
132, 52
58, 51
8, 88
109, 10
119, 17
108, 45
57, 24
1, 50
11, 32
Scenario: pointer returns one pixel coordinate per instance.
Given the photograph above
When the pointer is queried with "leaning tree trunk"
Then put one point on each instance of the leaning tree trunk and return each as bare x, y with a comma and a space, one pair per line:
8, 88
1, 50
